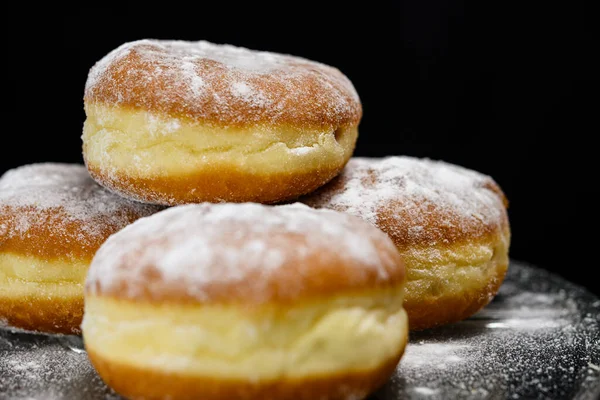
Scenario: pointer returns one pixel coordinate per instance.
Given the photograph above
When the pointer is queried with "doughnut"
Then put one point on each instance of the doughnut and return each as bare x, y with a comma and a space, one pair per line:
174, 122
53, 218
246, 301
449, 223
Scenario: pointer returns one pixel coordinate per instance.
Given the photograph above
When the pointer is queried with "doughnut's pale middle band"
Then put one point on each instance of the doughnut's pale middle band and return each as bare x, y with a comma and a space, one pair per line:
146, 145
335, 335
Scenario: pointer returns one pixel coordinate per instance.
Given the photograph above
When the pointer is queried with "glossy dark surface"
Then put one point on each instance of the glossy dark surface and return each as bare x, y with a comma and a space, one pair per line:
540, 338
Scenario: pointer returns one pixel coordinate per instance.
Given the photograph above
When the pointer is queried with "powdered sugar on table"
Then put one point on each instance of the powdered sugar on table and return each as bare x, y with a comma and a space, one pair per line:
553, 353
538, 339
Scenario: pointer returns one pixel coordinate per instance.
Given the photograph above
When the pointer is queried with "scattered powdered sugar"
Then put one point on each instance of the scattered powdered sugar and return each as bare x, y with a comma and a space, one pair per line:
433, 354
195, 82
233, 85
232, 56
424, 391
543, 362
531, 311
208, 244
251, 96
537, 339
158, 125
17, 365
241, 89
70, 194
188, 53
44, 367
422, 197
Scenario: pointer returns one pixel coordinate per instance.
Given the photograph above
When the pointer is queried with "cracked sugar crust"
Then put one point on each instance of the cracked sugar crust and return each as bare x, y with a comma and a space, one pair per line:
246, 253
224, 85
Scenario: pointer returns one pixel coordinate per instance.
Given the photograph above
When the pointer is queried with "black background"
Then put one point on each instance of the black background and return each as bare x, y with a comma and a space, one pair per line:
512, 92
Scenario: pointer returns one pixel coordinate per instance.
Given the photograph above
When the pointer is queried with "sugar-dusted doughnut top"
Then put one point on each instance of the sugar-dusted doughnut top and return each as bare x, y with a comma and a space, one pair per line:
244, 253
57, 210
416, 201
223, 85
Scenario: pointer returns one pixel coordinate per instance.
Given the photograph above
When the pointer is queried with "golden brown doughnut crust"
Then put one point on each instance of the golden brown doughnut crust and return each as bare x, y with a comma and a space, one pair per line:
53, 218
132, 383
251, 254
223, 85
44, 239
449, 224
429, 312
291, 264
43, 314
216, 185
416, 216
56, 211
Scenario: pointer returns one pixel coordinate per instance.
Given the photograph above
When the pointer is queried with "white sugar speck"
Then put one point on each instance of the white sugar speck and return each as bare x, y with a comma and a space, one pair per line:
433, 355
301, 151
196, 83
241, 89
425, 391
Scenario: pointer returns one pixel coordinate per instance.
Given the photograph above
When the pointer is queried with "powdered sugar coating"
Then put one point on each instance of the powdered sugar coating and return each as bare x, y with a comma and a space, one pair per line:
416, 200
244, 252
470, 359
64, 199
223, 84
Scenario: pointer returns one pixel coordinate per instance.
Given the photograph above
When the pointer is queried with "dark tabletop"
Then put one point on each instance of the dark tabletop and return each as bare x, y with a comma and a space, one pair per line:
540, 338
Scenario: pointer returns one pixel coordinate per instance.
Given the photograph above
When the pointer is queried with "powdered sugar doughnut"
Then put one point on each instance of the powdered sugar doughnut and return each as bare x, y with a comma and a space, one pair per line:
449, 223
174, 122
246, 301
53, 218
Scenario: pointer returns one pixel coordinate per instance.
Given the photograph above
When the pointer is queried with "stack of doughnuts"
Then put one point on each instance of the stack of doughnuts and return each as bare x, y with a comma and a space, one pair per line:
233, 292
